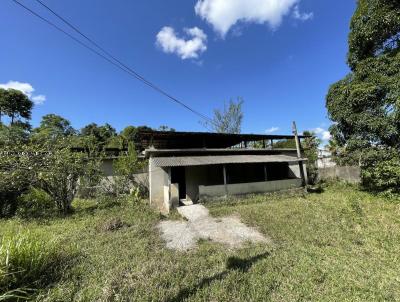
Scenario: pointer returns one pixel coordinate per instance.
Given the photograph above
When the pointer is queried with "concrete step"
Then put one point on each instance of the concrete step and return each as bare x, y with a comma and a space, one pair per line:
194, 212
186, 202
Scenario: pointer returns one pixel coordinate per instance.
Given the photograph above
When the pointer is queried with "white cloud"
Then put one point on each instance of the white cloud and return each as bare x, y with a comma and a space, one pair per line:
223, 14
272, 130
39, 99
26, 89
301, 16
189, 48
325, 135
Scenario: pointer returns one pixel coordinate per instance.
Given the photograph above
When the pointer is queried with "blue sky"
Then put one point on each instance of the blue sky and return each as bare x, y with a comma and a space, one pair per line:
279, 55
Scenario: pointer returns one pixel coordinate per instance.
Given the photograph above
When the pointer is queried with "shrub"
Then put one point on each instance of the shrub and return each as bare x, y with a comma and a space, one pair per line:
26, 264
310, 145
35, 204
60, 176
126, 168
89, 182
380, 171
18, 164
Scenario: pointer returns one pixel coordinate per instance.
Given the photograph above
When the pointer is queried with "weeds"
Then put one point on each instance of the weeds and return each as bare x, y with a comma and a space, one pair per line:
26, 264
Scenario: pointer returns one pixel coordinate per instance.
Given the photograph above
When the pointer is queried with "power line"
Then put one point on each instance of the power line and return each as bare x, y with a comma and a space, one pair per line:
120, 64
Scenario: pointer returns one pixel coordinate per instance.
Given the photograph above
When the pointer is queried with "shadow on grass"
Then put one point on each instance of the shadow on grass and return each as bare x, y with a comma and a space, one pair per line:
232, 264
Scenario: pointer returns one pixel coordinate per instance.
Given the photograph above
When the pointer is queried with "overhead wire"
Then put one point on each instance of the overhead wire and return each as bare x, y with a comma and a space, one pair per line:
106, 55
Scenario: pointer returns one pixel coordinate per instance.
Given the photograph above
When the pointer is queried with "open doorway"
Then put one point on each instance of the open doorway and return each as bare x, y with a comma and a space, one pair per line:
178, 176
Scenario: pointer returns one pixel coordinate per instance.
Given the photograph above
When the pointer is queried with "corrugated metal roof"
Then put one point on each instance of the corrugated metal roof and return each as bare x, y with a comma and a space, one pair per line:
184, 161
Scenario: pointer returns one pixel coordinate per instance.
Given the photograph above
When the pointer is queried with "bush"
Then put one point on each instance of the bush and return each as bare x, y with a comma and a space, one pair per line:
381, 173
26, 264
126, 168
35, 204
17, 170
60, 176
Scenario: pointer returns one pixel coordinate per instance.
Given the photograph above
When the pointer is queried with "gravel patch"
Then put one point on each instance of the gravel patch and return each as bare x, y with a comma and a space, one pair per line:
183, 235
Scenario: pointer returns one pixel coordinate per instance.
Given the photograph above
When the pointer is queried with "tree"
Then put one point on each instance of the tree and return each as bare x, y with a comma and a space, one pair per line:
130, 134
310, 146
365, 105
229, 120
53, 127
17, 133
16, 105
18, 163
166, 128
61, 171
2, 102
101, 134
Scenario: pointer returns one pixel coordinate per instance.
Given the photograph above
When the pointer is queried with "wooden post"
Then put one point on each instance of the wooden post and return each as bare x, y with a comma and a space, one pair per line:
298, 148
225, 184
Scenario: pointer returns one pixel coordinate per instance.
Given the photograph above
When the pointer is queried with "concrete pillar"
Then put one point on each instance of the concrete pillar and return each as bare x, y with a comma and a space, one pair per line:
225, 184
174, 192
159, 187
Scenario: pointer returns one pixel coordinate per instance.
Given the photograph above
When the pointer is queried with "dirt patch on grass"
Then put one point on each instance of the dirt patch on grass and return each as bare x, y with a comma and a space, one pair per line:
184, 235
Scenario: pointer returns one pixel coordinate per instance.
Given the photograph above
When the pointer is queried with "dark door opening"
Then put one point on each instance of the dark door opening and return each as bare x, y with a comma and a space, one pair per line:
178, 176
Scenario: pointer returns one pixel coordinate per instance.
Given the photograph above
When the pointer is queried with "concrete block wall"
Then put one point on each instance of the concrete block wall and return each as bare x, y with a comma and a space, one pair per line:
249, 188
350, 174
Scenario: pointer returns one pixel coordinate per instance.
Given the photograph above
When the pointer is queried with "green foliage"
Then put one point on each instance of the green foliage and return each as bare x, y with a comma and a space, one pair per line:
126, 167
3, 93
15, 105
60, 177
17, 172
310, 145
89, 182
17, 133
35, 204
130, 135
374, 28
100, 134
365, 105
53, 127
229, 120
27, 263
285, 144
381, 171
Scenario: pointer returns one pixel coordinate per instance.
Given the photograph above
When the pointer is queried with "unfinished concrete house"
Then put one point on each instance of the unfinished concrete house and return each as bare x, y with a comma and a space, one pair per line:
186, 167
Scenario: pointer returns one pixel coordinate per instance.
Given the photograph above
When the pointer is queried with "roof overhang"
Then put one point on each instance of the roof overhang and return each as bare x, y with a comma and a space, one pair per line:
187, 161
190, 140
202, 152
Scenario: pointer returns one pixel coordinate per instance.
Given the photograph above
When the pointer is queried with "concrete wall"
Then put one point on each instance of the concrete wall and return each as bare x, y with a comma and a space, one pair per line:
294, 171
248, 188
347, 173
107, 167
195, 176
159, 187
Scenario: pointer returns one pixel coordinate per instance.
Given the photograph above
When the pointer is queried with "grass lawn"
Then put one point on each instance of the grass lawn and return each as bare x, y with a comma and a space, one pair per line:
340, 245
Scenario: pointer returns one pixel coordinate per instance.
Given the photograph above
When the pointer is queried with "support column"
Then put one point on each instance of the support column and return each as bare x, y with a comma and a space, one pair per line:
225, 184
265, 173
298, 148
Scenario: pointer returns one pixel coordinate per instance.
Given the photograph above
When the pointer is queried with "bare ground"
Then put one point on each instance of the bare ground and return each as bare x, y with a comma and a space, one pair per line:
183, 235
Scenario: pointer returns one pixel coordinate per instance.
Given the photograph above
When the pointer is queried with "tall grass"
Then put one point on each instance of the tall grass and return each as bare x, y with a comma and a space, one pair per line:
26, 264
